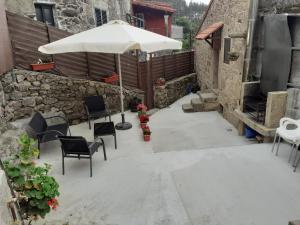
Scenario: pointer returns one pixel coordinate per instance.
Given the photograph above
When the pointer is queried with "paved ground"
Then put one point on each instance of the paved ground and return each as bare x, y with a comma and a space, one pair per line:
195, 171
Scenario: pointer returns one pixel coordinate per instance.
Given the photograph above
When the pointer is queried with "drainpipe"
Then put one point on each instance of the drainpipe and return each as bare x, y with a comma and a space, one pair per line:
167, 24
253, 11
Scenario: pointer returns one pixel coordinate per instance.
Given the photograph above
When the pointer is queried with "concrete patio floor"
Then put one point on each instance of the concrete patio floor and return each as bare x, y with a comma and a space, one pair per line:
195, 171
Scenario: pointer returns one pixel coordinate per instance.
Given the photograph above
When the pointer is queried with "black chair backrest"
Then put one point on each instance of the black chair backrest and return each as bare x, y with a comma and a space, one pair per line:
38, 123
74, 145
95, 103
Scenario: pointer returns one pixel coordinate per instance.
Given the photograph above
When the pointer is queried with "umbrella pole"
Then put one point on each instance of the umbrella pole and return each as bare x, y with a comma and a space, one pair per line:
122, 125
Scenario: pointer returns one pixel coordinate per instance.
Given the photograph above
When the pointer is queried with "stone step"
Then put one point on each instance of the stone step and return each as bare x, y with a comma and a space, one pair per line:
197, 104
211, 106
187, 108
207, 97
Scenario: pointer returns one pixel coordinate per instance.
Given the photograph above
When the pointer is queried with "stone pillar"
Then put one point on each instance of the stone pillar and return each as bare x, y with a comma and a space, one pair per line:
276, 106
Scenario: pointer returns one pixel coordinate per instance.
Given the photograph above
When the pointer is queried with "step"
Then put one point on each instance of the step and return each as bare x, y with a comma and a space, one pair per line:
187, 108
197, 104
208, 97
211, 106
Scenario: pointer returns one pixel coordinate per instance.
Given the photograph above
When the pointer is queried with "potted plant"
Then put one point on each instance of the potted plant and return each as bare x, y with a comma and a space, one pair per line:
35, 191
160, 81
147, 133
43, 64
144, 119
142, 109
233, 56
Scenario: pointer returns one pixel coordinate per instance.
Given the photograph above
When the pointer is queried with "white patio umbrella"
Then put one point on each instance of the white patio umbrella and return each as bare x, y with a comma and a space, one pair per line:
115, 37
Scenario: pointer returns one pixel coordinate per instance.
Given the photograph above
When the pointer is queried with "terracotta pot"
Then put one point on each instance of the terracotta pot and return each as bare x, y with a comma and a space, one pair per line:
147, 137
42, 66
143, 125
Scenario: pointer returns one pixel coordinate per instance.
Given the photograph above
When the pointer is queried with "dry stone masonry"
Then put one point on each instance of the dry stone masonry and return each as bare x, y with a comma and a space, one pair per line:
27, 91
173, 90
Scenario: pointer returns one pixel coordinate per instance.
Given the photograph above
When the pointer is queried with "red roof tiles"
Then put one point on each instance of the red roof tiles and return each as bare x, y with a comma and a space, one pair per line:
154, 5
202, 35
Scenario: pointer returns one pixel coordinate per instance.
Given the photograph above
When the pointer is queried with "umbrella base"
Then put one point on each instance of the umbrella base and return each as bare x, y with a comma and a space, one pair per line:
123, 126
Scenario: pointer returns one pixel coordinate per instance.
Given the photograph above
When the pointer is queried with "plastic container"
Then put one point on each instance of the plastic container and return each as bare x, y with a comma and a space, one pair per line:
250, 133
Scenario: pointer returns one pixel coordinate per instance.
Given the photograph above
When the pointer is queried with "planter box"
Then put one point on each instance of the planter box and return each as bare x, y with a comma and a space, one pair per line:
111, 79
42, 66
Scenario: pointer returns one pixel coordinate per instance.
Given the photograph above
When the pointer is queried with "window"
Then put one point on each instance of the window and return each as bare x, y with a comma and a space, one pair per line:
101, 17
227, 46
139, 20
44, 13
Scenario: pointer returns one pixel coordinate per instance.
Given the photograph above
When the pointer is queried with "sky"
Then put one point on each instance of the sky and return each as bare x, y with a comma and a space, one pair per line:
203, 1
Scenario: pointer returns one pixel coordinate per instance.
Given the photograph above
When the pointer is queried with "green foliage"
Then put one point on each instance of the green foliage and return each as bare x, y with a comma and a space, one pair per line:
37, 190
188, 16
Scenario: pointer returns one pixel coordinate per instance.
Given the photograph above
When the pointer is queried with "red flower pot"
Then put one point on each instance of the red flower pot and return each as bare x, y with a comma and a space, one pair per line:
42, 66
147, 138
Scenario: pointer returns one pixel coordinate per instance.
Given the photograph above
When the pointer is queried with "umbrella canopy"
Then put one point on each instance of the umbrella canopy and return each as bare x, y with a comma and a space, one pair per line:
114, 37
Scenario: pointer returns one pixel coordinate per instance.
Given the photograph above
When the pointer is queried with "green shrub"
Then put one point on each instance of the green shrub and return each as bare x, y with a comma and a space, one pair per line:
36, 191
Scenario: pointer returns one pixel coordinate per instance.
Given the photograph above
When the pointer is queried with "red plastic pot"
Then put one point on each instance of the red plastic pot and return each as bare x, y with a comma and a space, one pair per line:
147, 138
143, 125
42, 66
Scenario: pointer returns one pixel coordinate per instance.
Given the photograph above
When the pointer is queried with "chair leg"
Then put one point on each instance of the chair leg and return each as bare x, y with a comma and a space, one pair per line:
115, 137
274, 142
279, 139
39, 148
104, 150
63, 165
91, 167
296, 161
89, 121
291, 153
109, 116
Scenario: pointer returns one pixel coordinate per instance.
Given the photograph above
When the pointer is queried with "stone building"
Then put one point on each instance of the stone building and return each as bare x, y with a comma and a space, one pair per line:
222, 18
71, 15
228, 47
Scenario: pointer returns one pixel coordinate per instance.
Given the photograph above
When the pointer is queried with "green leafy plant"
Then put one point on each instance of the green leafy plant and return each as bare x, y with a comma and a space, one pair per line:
36, 191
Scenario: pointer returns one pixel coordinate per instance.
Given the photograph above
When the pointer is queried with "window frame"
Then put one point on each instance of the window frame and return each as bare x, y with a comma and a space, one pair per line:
42, 7
103, 18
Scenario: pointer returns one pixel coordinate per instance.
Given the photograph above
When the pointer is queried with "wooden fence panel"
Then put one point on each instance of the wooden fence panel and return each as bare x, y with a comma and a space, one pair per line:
26, 37
70, 64
101, 65
129, 65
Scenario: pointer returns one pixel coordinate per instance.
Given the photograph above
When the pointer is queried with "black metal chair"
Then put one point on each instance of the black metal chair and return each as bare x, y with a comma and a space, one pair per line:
105, 129
78, 147
95, 108
40, 130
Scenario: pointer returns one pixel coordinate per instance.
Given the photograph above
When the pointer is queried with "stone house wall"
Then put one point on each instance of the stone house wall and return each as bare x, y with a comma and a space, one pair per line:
28, 91
73, 15
234, 14
173, 90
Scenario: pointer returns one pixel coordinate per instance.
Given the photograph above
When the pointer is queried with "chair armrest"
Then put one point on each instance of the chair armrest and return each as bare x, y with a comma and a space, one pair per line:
40, 134
61, 117
286, 121
95, 142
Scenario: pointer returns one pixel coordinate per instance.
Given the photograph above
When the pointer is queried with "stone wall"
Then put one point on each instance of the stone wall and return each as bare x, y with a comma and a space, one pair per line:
228, 83
29, 91
73, 15
173, 90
